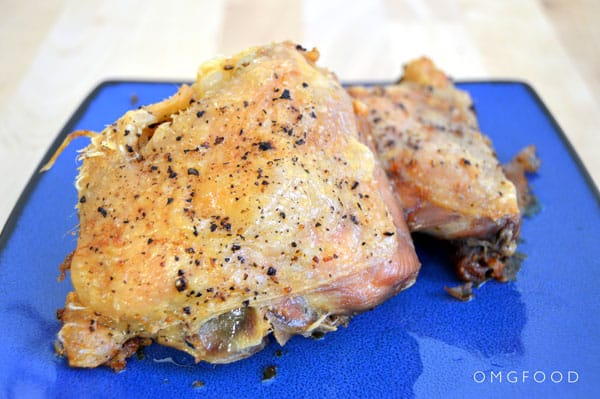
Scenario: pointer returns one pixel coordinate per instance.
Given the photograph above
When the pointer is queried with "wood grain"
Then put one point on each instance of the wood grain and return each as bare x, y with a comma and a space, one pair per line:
55, 52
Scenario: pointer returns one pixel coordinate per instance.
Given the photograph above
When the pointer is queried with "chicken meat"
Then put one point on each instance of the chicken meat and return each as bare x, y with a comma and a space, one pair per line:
244, 205
443, 169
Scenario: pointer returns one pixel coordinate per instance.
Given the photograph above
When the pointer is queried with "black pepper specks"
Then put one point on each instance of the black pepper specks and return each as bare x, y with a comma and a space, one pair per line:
265, 145
225, 224
235, 247
189, 344
354, 185
219, 140
82, 200
171, 173
285, 95
200, 114
181, 284
169, 200
102, 211
271, 271
193, 171
388, 233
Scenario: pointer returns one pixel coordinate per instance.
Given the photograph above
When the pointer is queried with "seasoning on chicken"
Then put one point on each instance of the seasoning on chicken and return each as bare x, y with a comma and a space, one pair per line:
243, 205
444, 170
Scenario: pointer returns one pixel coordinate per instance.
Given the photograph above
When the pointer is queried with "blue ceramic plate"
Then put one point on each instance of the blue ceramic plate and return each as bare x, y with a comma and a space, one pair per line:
536, 337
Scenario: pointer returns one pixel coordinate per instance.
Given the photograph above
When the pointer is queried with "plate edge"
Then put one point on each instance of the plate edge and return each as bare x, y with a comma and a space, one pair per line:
565, 140
14, 214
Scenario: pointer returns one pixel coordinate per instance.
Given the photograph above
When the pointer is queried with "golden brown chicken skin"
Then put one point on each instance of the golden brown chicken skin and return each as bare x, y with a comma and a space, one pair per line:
243, 205
444, 170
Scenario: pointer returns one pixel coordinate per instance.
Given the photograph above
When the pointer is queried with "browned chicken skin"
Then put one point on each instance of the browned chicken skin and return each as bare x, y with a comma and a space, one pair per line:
243, 205
443, 169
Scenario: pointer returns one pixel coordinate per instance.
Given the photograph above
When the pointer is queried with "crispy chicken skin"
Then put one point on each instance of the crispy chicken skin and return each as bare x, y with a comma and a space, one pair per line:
444, 170
243, 205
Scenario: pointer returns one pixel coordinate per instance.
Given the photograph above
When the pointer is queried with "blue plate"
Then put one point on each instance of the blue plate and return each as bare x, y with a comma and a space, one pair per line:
536, 337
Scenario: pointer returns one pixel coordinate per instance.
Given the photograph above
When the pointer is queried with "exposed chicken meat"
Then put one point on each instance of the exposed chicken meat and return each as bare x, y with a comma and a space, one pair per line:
526, 161
444, 170
243, 205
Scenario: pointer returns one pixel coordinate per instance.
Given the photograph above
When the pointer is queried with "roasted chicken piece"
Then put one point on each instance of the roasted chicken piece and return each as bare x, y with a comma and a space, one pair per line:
444, 170
243, 205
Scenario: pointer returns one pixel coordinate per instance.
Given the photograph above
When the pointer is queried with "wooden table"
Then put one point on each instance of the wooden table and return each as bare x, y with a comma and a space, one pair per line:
54, 52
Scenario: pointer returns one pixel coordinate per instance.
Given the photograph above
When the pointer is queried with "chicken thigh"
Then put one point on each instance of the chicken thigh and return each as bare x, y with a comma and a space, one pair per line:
243, 205
444, 170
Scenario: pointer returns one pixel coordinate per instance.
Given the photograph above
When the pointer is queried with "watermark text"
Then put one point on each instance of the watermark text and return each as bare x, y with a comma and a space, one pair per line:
526, 376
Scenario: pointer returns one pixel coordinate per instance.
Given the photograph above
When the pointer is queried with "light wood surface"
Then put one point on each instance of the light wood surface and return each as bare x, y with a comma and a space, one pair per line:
54, 52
